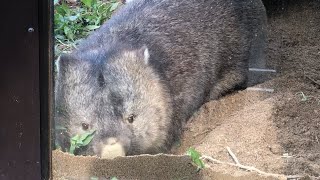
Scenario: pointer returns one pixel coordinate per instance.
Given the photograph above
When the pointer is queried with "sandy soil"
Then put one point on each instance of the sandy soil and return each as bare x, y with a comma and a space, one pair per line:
276, 132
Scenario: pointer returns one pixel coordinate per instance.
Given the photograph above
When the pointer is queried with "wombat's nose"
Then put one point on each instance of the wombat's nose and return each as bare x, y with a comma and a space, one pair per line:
112, 148
112, 141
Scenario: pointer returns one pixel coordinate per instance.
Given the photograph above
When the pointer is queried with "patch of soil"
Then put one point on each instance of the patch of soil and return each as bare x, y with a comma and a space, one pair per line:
275, 132
69, 167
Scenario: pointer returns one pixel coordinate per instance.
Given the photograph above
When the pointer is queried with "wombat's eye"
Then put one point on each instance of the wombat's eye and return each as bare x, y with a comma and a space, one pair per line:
85, 126
131, 118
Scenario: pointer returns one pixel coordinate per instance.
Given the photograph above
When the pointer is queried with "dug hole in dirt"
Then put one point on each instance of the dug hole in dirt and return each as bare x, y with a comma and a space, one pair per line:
248, 134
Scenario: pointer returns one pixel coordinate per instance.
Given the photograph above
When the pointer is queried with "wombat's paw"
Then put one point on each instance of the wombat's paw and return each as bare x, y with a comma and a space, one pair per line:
112, 149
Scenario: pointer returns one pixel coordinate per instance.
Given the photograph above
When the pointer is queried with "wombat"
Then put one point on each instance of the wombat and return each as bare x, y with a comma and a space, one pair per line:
137, 79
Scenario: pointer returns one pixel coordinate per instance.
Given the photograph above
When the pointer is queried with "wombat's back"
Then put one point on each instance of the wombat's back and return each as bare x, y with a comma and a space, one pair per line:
199, 47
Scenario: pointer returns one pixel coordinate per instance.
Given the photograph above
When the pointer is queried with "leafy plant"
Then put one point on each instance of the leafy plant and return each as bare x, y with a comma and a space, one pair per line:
80, 140
195, 156
72, 23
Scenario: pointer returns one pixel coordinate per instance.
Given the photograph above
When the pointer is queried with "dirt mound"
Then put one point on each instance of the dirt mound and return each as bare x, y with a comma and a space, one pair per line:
275, 132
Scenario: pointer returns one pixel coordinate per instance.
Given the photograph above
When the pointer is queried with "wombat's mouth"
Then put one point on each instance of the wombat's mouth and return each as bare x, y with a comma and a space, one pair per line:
112, 148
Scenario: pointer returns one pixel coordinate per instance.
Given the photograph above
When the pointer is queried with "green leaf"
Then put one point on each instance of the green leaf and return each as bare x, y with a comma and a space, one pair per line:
97, 21
78, 141
114, 178
92, 27
63, 9
195, 157
68, 32
87, 3
75, 138
114, 6
55, 2
72, 18
86, 138
72, 149
60, 37
73, 143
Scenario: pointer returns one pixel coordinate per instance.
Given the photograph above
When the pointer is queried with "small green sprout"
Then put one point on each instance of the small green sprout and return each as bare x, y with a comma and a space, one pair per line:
78, 141
306, 98
94, 178
195, 156
303, 96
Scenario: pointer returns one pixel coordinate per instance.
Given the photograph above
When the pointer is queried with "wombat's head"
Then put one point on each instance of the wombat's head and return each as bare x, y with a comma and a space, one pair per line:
116, 94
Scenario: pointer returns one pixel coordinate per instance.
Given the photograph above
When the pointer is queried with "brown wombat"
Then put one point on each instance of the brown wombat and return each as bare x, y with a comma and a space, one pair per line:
138, 78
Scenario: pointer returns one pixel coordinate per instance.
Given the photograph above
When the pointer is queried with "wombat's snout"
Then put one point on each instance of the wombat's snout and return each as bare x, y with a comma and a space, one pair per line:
112, 148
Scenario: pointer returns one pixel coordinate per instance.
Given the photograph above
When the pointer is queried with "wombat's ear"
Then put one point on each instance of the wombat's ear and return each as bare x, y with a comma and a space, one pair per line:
144, 53
63, 62
57, 64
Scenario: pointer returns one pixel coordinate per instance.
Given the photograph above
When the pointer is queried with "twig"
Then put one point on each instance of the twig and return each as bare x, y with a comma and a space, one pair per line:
248, 168
260, 89
204, 132
62, 42
235, 159
296, 177
308, 77
311, 79
286, 155
262, 70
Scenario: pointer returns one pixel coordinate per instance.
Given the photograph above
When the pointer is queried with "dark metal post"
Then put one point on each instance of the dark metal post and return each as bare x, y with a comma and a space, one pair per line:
25, 98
